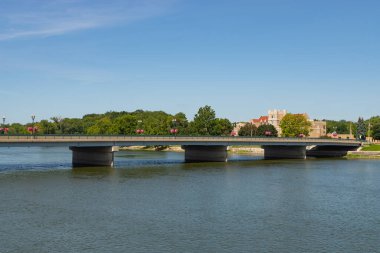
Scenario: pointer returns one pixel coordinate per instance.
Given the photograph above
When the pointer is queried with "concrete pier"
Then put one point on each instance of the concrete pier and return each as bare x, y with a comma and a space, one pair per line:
93, 156
284, 152
200, 153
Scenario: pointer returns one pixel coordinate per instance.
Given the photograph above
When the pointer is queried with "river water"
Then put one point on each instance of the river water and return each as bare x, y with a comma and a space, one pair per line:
153, 202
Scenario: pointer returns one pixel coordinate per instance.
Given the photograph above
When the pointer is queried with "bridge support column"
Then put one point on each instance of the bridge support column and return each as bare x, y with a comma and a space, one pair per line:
200, 153
284, 152
93, 156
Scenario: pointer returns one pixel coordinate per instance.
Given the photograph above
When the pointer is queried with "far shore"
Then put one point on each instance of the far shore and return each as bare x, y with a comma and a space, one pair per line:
254, 150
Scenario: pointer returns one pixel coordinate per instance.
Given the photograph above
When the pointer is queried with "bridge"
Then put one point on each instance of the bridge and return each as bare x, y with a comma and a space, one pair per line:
99, 150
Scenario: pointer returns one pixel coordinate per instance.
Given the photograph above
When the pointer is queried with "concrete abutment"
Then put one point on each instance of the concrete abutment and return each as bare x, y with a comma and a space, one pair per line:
200, 153
93, 156
284, 152
330, 151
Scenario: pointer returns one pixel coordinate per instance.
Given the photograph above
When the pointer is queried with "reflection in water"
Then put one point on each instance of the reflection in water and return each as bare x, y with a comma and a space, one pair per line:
97, 172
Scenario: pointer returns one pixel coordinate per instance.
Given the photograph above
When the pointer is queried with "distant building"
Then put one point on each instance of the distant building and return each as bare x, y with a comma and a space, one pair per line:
335, 135
318, 129
236, 129
340, 136
263, 120
275, 117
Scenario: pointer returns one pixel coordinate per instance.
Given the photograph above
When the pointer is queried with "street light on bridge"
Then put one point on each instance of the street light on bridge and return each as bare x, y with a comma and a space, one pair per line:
33, 117
139, 129
174, 129
3, 129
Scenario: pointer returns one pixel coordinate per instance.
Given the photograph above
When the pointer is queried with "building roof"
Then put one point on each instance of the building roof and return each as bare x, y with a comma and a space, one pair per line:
263, 119
260, 120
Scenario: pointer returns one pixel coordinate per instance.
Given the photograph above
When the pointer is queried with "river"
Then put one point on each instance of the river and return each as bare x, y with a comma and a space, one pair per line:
153, 202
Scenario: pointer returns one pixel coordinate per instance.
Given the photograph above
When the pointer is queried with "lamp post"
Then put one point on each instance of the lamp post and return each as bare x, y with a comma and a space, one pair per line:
369, 130
33, 117
3, 126
174, 130
139, 129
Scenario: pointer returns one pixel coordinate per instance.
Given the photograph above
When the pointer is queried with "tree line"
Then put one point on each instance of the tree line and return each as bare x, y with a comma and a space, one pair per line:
204, 123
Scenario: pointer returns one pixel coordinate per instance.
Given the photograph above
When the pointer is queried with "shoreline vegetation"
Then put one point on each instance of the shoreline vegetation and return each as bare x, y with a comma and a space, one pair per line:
368, 152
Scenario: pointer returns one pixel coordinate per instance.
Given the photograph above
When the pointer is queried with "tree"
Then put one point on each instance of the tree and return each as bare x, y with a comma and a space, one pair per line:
46, 127
293, 125
181, 123
58, 122
125, 124
361, 129
248, 129
376, 131
341, 127
267, 130
221, 127
203, 122
17, 128
102, 126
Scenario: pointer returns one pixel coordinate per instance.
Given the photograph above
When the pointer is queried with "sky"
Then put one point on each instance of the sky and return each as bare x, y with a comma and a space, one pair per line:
69, 58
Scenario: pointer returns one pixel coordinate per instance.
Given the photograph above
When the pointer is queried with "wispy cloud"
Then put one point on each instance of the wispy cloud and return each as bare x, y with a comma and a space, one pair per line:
43, 18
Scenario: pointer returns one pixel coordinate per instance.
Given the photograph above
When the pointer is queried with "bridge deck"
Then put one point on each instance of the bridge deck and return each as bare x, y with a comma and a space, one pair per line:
122, 140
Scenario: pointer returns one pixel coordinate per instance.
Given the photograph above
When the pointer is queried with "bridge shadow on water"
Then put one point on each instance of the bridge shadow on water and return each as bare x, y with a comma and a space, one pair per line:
141, 168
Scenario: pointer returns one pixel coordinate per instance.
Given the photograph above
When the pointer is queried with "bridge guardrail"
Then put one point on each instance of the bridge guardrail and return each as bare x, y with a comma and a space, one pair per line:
63, 138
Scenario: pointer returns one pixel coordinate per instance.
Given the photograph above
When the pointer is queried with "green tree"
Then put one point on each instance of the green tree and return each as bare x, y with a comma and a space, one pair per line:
264, 129
179, 121
371, 122
102, 126
376, 131
248, 129
361, 129
293, 125
203, 122
341, 127
125, 124
221, 127
72, 126
46, 127
17, 128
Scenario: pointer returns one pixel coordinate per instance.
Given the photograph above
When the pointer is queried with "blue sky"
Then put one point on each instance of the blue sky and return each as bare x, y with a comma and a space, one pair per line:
73, 57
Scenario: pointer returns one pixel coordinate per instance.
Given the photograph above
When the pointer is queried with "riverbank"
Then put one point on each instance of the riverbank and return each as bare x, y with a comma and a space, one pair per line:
153, 148
253, 150
363, 155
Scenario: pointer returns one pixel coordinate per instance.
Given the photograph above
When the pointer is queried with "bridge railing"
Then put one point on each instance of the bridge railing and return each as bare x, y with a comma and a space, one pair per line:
165, 137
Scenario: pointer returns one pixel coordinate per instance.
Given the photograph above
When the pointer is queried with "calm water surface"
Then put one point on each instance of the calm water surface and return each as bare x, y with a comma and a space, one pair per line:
152, 202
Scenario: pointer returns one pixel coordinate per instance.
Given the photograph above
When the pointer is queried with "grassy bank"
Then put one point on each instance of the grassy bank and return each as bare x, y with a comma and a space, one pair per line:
372, 147
355, 156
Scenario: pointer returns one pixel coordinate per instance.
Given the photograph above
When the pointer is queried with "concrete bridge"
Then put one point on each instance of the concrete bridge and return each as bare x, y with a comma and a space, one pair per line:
99, 150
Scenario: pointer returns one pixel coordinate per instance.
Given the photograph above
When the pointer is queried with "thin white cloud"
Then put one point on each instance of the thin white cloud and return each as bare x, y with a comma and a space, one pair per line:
43, 18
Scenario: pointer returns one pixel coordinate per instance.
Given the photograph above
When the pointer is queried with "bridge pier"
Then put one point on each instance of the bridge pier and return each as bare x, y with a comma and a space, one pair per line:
201, 153
284, 152
93, 156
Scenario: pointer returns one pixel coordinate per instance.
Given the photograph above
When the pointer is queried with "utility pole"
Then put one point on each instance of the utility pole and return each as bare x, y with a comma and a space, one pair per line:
369, 131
